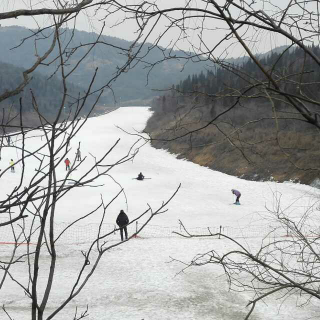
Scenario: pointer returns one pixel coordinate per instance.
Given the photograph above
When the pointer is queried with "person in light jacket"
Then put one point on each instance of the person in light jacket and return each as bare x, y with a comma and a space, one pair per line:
11, 165
122, 221
237, 194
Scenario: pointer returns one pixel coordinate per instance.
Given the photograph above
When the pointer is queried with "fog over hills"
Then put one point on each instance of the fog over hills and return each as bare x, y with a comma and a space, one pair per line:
154, 69
139, 80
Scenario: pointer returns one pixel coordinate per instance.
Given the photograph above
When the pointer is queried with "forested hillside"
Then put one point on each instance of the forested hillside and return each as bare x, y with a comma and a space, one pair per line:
47, 93
134, 84
221, 119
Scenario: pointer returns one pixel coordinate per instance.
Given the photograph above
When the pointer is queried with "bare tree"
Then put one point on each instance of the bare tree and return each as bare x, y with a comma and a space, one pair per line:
237, 24
29, 209
285, 263
279, 94
265, 98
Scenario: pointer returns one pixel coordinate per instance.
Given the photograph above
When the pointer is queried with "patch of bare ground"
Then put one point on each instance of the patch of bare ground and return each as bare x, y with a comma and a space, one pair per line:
237, 144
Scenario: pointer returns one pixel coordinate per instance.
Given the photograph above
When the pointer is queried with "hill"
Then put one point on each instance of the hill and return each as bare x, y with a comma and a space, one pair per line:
47, 92
225, 120
136, 83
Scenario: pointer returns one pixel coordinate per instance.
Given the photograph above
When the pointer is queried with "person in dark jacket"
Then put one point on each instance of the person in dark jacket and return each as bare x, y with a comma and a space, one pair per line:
140, 176
237, 194
78, 155
122, 221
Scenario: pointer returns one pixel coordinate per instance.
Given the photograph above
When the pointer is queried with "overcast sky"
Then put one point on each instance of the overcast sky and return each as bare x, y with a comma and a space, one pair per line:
92, 22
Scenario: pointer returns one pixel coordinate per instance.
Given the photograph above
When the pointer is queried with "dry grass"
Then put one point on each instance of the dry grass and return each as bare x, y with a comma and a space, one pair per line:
253, 151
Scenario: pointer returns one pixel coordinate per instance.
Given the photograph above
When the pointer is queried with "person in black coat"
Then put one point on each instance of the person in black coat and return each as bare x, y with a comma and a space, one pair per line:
122, 221
140, 176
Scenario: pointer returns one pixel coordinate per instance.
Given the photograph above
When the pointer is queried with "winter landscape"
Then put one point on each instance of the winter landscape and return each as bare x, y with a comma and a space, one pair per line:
215, 103
143, 278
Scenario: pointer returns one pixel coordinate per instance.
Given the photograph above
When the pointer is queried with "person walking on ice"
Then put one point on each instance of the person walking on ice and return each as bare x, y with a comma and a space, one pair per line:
122, 221
11, 165
67, 162
237, 194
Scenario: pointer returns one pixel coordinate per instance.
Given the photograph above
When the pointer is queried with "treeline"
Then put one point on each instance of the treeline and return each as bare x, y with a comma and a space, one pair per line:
224, 119
286, 67
228, 84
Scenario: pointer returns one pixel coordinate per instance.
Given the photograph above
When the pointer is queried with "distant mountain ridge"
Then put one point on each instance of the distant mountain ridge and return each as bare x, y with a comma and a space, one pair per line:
138, 83
134, 86
241, 60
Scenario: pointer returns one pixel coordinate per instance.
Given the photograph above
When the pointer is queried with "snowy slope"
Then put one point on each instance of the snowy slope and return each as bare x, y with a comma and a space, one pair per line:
135, 281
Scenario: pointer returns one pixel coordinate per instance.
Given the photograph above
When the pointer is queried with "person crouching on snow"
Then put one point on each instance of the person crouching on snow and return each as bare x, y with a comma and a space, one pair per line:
122, 221
237, 194
140, 176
